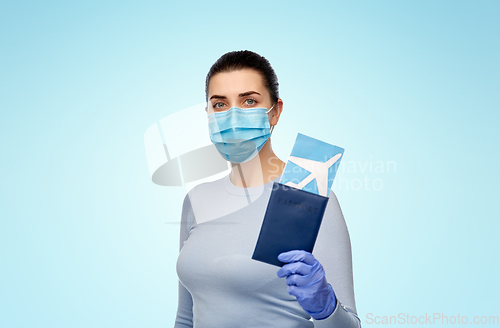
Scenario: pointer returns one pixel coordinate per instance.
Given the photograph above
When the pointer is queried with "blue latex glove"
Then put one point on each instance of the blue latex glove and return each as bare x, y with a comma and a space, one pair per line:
306, 280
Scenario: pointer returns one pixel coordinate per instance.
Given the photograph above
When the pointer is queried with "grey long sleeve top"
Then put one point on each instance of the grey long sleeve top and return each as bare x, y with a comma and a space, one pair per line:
221, 286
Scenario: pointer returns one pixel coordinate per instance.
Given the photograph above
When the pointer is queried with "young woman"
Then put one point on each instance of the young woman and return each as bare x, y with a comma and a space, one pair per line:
220, 284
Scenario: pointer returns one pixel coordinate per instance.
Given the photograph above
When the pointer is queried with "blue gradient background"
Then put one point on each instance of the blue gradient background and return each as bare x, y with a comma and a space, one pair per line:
85, 235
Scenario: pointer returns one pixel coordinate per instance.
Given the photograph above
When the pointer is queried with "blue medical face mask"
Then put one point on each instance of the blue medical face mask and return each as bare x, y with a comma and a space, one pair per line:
239, 134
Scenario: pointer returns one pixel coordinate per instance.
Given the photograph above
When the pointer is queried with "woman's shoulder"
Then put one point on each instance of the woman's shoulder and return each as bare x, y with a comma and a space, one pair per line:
205, 189
205, 199
333, 213
333, 200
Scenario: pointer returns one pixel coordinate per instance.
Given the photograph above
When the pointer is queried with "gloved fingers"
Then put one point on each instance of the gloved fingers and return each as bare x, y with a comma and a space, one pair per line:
302, 294
299, 268
294, 291
317, 281
302, 281
297, 255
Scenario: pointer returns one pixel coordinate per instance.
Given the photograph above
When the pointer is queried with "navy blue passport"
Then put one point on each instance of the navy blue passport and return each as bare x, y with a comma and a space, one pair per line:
292, 221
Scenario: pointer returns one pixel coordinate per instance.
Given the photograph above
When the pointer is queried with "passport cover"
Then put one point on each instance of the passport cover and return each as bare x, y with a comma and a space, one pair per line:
312, 165
292, 221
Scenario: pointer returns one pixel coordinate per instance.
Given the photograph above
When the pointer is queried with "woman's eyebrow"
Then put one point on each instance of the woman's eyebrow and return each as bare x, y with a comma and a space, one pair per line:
218, 97
244, 94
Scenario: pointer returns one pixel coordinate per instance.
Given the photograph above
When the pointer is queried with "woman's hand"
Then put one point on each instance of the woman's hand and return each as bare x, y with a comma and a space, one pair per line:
306, 280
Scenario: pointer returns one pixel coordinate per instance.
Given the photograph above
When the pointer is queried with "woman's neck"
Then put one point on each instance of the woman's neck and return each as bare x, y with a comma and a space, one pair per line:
261, 169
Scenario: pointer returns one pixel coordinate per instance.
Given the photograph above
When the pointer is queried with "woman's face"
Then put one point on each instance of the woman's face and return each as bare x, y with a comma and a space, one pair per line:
243, 88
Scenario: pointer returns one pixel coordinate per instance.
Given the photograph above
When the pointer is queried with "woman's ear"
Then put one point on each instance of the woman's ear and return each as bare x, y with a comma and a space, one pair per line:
276, 112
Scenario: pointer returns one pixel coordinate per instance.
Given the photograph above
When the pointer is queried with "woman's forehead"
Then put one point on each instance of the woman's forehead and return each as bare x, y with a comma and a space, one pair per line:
236, 82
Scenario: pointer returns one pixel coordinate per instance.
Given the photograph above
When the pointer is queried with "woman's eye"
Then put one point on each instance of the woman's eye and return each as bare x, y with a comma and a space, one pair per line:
250, 102
218, 105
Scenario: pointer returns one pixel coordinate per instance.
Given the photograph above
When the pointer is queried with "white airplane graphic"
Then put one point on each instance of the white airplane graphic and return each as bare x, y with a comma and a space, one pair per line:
319, 171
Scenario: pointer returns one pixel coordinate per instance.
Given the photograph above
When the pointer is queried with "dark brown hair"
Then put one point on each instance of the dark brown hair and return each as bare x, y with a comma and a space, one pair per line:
236, 60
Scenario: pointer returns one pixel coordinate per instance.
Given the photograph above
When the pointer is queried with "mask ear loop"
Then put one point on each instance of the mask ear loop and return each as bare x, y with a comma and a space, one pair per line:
272, 127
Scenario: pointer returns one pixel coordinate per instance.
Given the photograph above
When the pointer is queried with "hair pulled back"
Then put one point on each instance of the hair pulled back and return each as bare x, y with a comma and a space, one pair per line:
236, 60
